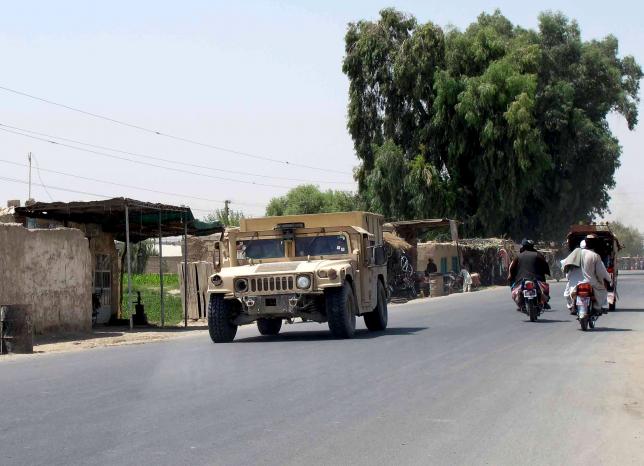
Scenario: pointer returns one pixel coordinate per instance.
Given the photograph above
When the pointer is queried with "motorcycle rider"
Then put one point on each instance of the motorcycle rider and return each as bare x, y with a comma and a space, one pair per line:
529, 265
595, 273
571, 266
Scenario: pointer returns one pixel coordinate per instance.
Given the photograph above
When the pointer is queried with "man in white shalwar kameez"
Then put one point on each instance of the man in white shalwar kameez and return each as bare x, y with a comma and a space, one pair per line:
572, 268
595, 272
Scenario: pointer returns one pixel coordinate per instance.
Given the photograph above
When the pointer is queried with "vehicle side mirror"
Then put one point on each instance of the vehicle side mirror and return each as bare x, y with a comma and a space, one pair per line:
216, 257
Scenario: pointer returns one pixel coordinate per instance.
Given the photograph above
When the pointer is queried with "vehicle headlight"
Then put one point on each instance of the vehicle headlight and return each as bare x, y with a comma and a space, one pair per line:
303, 282
241, 285
216, 280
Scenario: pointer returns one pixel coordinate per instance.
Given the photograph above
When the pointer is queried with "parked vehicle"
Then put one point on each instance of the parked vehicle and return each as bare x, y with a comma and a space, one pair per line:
585, 305
607, 247
532, 300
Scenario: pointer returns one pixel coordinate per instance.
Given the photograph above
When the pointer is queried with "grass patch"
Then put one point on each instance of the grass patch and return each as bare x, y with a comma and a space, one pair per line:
148, 285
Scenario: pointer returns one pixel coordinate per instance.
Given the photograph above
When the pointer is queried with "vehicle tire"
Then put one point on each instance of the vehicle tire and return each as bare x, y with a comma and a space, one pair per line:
376, 321
612, 307
269, 326
220, 314
591, 323
341, 309
531, 310
584, 323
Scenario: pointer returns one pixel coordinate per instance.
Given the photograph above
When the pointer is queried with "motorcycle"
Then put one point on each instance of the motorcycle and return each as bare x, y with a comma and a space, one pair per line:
532, 305
587, 313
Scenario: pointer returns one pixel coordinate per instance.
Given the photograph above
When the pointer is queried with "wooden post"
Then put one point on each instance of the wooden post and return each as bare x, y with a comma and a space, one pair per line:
161, 271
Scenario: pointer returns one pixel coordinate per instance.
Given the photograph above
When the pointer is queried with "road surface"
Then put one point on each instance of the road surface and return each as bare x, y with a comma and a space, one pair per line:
457, 380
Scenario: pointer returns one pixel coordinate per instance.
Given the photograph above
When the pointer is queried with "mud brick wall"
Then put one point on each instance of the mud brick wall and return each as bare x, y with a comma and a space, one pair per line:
50, 270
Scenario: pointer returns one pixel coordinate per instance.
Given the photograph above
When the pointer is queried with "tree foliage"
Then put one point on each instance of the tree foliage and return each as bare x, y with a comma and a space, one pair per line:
226, 217
631, 239
309, 199
499, 126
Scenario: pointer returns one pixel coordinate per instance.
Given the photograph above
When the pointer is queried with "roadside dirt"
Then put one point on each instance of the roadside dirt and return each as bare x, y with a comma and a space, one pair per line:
115, 336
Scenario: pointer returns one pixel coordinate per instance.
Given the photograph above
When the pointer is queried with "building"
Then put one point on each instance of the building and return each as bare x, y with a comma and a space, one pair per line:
61, 258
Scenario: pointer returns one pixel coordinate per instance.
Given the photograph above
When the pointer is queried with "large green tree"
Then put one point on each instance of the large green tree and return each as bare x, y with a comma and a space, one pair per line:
309, 199
630, 238
502, 127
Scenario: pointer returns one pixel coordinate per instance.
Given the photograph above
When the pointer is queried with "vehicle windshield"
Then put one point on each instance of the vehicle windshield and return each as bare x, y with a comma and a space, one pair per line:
321, 245
270, 248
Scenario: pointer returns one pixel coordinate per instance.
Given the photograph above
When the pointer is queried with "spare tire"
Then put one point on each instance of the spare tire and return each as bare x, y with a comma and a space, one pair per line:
269, 326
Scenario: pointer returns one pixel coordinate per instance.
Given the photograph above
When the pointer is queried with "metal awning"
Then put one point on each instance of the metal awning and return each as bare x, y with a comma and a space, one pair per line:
130, 221
144, 217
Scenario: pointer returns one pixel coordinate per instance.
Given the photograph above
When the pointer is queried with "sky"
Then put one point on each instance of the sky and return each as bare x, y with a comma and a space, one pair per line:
260, 78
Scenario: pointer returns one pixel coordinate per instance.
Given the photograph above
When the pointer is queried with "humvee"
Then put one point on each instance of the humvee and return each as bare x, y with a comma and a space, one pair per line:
319, 267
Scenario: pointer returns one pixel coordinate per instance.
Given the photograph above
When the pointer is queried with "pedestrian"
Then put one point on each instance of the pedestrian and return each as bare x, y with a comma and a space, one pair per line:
431, 267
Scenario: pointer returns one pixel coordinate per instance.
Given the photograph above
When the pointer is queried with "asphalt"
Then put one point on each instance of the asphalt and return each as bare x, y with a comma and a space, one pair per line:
457, 380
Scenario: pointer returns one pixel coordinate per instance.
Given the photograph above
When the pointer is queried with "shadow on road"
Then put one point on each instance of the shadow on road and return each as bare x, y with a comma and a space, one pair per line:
610, 329
325, 335
550, 321
619, 309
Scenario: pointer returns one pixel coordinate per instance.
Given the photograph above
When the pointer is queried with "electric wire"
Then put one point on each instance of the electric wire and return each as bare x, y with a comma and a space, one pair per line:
122, 185
40, 178
166, 160
170, 136
149, 164
74, 191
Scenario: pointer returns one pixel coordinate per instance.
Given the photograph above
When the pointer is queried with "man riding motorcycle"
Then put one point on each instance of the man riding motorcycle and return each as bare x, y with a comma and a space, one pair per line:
588, 267
530, 265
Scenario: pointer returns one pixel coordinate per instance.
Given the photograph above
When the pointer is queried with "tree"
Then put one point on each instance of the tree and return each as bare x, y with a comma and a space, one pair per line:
309, 199
226, 217
631, 239
499, 126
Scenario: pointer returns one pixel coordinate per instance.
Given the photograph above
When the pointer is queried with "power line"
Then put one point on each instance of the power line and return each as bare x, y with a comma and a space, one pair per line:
149, 164
162, 159
74, 191
14, 180
40, 178
170, 136
179, 195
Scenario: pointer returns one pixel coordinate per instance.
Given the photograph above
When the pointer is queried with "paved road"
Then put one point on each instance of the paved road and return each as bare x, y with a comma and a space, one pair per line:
457, 380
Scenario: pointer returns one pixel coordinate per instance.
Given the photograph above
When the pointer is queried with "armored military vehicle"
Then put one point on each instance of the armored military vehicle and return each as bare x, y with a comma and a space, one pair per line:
321, 268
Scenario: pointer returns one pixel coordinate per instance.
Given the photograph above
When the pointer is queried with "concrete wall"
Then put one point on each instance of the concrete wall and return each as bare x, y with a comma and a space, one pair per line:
51, 270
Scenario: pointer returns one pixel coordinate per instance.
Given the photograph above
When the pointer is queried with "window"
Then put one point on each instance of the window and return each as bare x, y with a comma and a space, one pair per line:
260, 248
320, 245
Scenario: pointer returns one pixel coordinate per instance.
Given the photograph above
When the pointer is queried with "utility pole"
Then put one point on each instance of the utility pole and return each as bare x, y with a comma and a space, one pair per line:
29, 158
226, 211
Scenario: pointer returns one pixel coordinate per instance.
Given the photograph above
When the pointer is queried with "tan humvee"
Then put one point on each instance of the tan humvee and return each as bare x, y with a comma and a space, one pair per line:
322, 268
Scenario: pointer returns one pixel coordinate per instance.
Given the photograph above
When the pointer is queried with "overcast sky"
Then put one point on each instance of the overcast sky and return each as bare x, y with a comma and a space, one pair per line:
259, 77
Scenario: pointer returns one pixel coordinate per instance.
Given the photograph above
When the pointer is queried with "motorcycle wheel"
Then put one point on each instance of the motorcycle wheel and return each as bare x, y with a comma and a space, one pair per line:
532, 311
584, 323
591, 323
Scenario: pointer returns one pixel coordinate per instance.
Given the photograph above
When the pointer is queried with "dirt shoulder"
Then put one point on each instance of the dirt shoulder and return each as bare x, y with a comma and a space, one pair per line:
115, 336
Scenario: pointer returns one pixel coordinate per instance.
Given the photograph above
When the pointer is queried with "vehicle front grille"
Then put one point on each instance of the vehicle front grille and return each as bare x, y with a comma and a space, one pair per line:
271, 284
